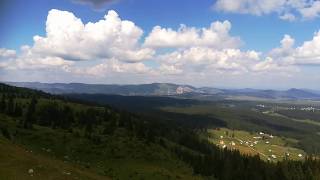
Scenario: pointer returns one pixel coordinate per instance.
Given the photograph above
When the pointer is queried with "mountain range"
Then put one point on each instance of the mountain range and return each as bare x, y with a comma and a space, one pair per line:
169, 89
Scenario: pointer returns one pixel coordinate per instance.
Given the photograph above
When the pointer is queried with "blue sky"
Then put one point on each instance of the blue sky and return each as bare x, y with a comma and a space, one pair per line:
21, 20
259, 30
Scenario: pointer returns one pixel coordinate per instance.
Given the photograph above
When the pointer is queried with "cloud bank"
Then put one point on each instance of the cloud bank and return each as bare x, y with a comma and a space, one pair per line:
286, 9
113, 50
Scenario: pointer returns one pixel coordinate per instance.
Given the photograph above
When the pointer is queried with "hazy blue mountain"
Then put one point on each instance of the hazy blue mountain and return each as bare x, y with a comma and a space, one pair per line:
160, 89
274, 94
167, 89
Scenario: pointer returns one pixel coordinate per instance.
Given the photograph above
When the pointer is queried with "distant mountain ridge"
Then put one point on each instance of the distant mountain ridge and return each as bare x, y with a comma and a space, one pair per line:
166, 89
160, 89
275, 94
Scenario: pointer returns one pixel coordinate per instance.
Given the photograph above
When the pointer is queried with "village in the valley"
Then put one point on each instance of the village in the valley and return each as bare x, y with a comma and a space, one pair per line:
292, 108
268, 146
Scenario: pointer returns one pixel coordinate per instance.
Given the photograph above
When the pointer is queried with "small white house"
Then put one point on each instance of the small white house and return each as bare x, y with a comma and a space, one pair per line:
257, 137
222, 142
271, 136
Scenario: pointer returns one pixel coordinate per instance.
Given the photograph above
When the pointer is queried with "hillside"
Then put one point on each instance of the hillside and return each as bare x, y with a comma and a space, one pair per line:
17, 162
126, 154
56, 154
240, 115
94, 141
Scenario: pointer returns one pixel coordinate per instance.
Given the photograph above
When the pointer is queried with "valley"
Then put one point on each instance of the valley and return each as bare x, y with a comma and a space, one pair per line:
159, 90
97, 136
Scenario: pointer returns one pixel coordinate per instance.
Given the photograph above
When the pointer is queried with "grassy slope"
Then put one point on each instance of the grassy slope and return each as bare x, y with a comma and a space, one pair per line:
16, 161
56, 152
278, 146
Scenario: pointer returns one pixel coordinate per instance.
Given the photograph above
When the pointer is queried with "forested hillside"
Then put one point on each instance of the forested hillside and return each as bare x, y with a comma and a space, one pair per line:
101, 142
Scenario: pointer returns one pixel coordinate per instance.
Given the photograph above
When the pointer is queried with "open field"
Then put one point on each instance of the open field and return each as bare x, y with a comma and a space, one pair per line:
245, 116
269, 147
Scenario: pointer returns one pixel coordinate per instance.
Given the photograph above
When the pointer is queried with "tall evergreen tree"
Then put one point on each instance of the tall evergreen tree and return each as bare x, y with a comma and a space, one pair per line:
18, 110
30, 114
10, 106
3, 104
67, 117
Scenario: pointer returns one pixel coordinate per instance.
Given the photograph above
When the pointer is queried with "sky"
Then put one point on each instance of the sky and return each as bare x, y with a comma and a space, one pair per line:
265, 44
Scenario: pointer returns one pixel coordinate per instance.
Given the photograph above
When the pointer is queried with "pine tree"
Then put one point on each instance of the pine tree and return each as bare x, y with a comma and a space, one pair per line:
3, 104
10, 106
30, 118
88, 130
67, 117
110, 127
18, 110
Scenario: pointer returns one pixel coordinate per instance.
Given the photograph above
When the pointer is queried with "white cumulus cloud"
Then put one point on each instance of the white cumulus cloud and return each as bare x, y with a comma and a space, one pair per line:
306, 54
111, 50
108, 67
68, 38
216, 36
6, 54
309, 51
208, 59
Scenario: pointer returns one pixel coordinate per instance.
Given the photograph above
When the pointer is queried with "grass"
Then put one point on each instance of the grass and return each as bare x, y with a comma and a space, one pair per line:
244, 116
16, 162
245, 143
56, 153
